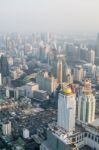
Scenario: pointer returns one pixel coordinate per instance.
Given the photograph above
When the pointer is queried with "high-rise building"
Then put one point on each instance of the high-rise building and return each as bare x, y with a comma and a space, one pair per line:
59, 72
0, 79
46, 82
91, 57
72, 52
69, 78
89, 70
84, 53
4, 69
66, 71
54, 61
97, 74
6, 128
97, 46
67, 108
78, 73
58, 134
86, 104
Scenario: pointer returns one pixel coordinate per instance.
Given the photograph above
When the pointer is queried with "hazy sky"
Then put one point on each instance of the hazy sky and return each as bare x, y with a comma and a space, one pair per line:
49, 15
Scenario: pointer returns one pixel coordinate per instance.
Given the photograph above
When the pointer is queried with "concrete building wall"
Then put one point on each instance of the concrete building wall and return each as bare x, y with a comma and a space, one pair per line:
66, 111
48, 84
86, 108
6, 128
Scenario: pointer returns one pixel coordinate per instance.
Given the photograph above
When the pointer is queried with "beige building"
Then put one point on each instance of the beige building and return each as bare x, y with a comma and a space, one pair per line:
59, 72
46, 82
26, 90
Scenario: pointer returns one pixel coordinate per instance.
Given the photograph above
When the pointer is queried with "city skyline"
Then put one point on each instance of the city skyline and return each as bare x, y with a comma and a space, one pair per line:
49, 75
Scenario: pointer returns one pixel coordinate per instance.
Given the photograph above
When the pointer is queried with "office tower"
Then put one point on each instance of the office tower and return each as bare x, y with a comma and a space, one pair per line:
6, 128
72, 52
69, 78
0, 79
84, 53
65, 70
69, 51
86, 104
89, 70
54, 60
67, 108
43, 52
58, 135
91, 57
97, 74
59, 72
4, 68
46, 82
97, 46
78, 73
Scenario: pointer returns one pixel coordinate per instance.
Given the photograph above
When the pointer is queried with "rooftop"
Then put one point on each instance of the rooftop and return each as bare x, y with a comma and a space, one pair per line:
32, 84
95, 123
67, 90
60, 133
86, 148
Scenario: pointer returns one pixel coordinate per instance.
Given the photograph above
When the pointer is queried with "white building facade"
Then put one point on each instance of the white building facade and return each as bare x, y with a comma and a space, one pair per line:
86, 108
66, 111
6, 128
86, 104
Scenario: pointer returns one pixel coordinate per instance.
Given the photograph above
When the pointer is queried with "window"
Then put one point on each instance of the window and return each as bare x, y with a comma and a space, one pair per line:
95, 139
85, 134
92, 137
89, 135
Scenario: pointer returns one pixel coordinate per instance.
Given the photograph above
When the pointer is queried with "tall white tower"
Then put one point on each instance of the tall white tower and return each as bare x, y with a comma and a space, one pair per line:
67, 109
59, 72
86, 104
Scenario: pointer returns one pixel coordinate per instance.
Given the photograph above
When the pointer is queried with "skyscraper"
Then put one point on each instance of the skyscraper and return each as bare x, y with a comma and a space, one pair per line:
58, 135
67, 108
86, 104
78, 73
59, 72
91, 57
0, 79
4, 69
97, 46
